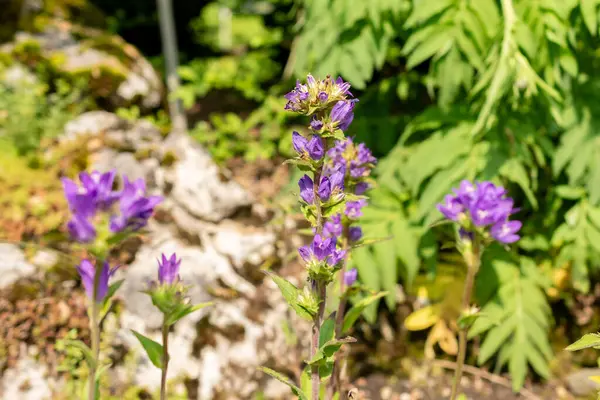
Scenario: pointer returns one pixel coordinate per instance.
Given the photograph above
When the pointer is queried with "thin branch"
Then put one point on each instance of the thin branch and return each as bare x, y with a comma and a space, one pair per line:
488, 376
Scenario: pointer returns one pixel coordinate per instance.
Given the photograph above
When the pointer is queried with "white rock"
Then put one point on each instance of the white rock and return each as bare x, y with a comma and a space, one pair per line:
13, 265
27, 381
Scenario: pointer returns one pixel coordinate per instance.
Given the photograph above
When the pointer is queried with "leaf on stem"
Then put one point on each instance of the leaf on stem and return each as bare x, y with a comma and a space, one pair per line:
153, 349
284, 379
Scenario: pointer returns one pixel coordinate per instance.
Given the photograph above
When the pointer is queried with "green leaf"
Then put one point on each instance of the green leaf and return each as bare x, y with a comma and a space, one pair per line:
515, 171
153, 349
358, 309
385, 255
589, 13
406, 238
184, 309
112, 289
290, 294
432, 45
327, 331
569, 192
284, 379
587, 341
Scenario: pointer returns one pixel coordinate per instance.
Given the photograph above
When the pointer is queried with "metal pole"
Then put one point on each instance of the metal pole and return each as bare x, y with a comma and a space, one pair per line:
169, 46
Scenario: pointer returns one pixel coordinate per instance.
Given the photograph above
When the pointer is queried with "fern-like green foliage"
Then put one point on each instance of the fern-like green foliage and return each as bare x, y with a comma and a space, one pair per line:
512, 97
346, 37
516, 317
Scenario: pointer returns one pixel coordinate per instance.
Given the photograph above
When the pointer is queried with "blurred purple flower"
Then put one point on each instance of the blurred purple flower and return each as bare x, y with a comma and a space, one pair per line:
81, 229
135, 207
506, 231
324, 189
87, 273
315, 148
355, 233
350, 277
333, 227
354, 208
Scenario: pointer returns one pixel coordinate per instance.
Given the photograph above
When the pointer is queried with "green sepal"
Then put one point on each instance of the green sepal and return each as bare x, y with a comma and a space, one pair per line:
284, 379
290, 294
302, 164
153, 349
309, 212
181, 310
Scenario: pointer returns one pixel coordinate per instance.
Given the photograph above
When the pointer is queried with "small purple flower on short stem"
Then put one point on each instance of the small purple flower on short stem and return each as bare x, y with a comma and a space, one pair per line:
168, 269
355, 233
322, 249
306, 189
87, 273
350, 277
354, 208
342, 113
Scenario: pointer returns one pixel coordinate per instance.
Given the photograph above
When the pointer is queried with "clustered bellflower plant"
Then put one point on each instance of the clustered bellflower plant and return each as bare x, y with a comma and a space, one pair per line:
332, 197
481, 212
101, 218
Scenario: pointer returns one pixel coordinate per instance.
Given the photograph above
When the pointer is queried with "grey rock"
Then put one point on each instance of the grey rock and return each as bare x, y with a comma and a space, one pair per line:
13, 265
141, 85
580, 384
198, 186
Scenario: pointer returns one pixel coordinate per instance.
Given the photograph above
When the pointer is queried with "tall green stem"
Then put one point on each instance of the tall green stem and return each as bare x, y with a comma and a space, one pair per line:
95, 336
165, 361
473, 260
335, 381
316, 333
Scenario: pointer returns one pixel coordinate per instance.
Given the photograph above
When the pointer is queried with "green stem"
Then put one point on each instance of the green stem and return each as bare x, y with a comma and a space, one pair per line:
165, 360
473, 261
335, 382
316, 333
95, 336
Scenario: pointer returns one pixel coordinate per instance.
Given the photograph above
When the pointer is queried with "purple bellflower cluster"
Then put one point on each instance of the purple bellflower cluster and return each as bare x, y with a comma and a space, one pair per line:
482, 206
481, 211
332, 199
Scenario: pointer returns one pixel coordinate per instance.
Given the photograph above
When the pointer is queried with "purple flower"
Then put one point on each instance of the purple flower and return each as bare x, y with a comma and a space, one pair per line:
485, 205
87, 272
451, 208
81, 229
342, 113
506, 231
341, 88
323, 97
355, 233
350, 276
134, 206
324, 189
296, 97
94, 194
299, 142
315, 148
306, 189
354, 208
316, 124
333, 227
168, 269
337, 181
361, 188
322, 249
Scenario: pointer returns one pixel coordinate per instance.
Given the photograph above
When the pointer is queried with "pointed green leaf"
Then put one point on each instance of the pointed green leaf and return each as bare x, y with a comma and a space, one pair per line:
290, 294
284, 379
358, 308
153, 349
587, 341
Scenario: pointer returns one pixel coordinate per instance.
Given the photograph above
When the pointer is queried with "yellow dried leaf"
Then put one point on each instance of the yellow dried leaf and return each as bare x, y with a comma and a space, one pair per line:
423, 318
